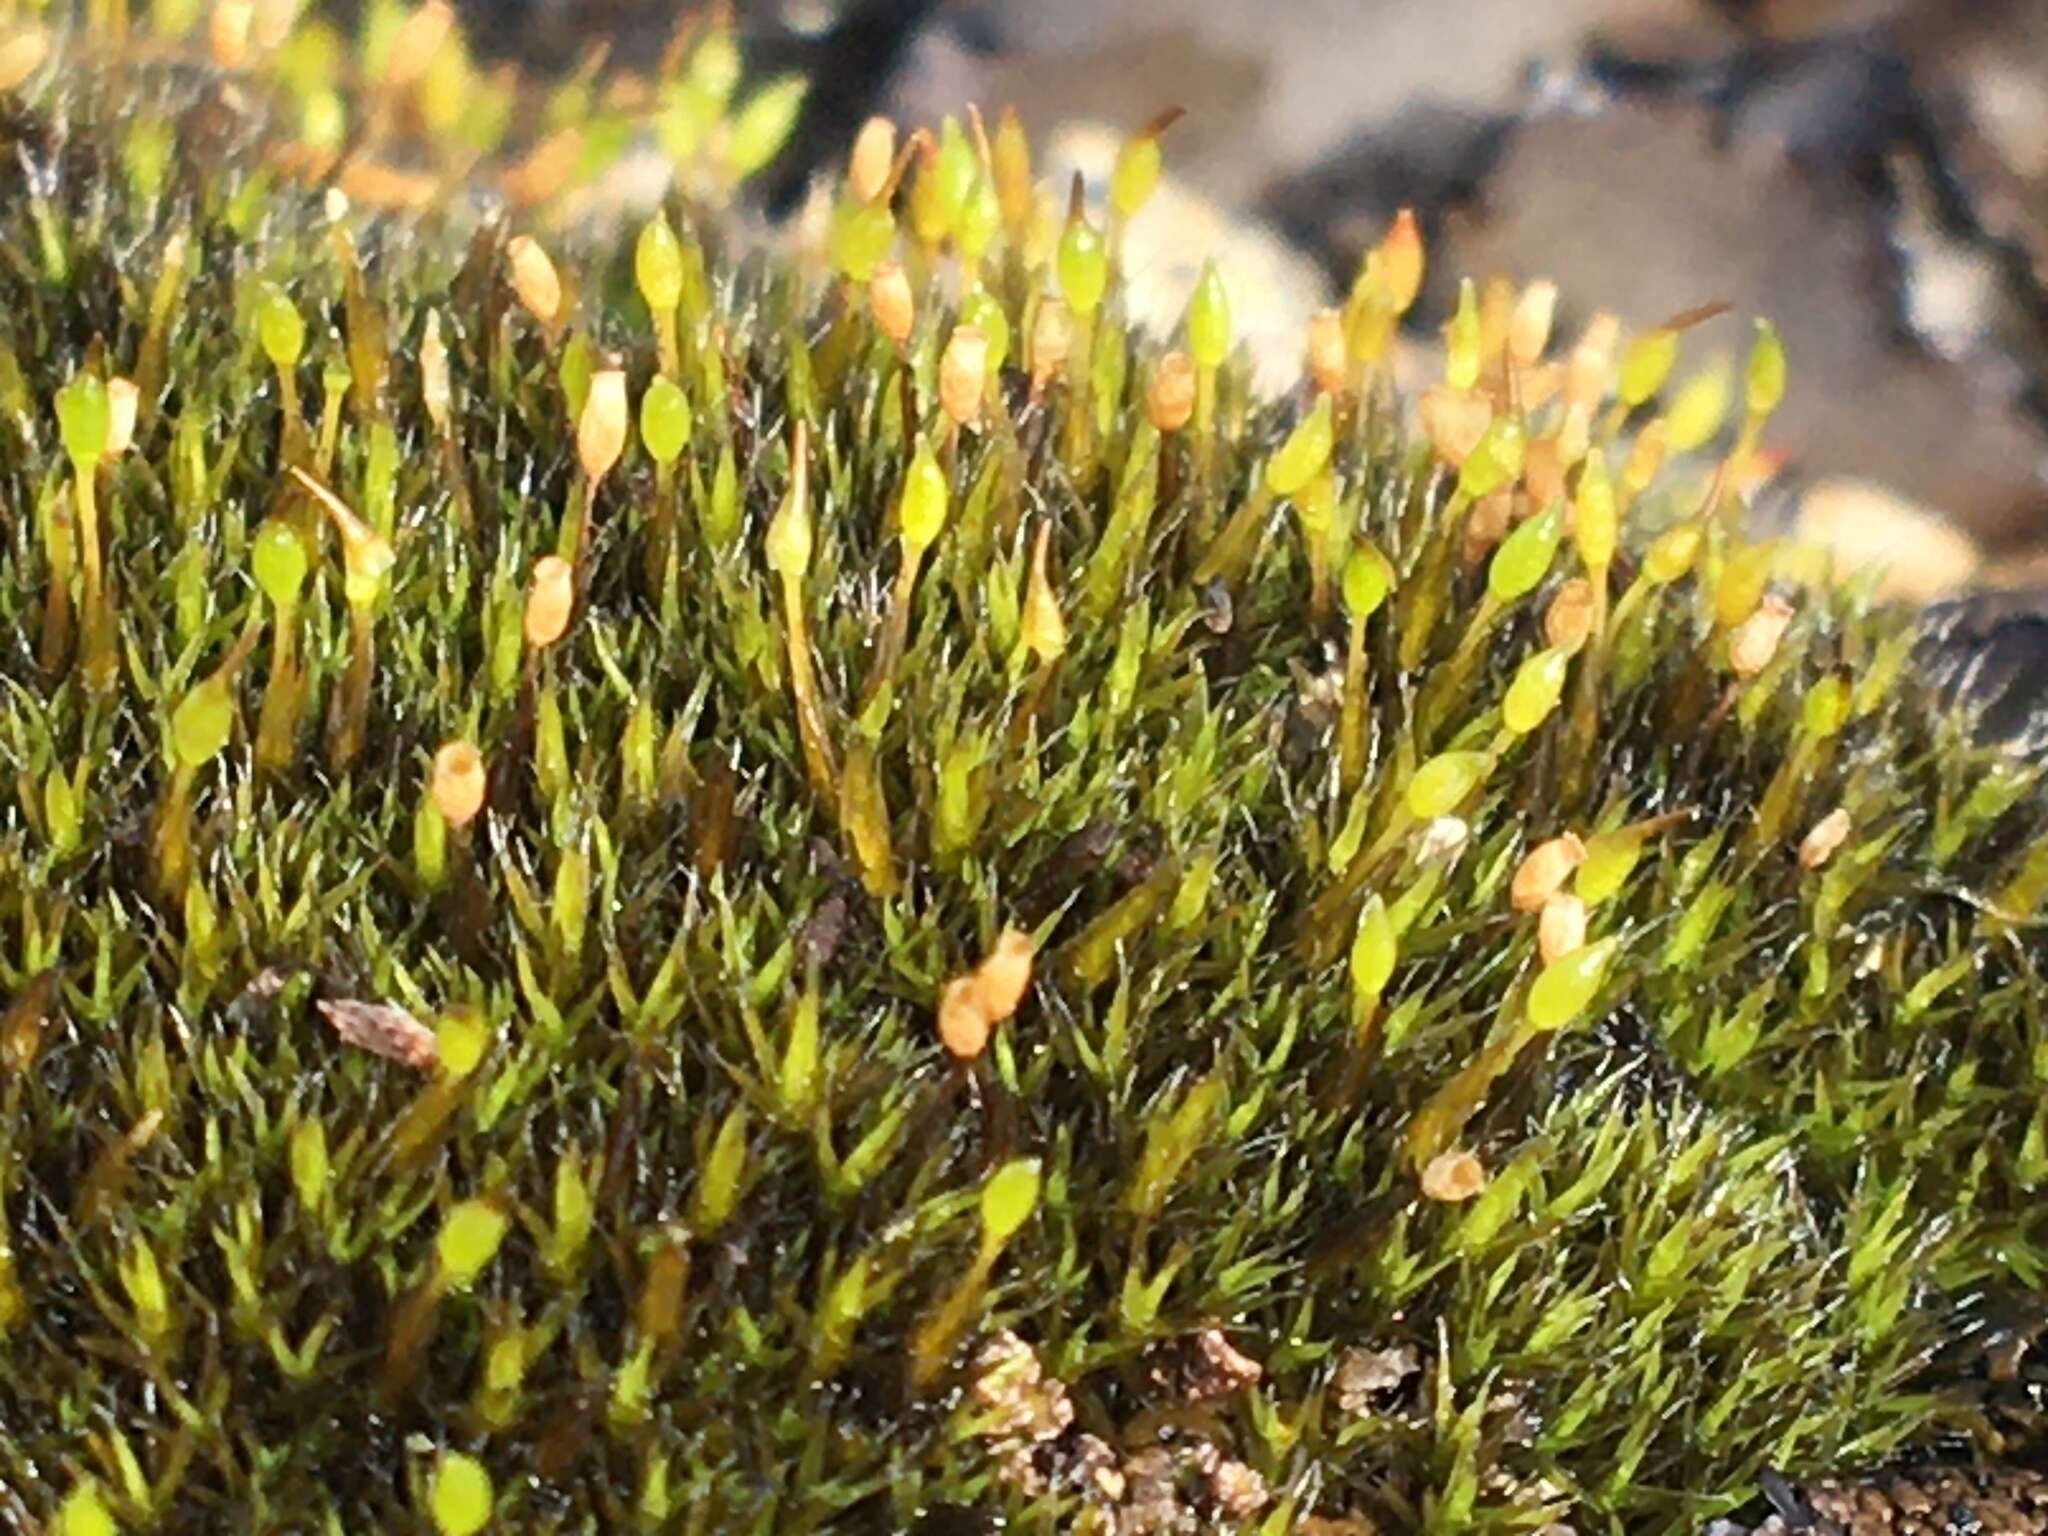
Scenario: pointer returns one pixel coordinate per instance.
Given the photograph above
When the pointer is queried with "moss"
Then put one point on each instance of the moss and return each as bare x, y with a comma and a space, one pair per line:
381, 1141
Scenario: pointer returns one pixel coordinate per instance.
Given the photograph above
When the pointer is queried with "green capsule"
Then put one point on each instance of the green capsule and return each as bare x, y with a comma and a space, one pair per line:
1765, 385
1010, 161
84, 1513
1307, 449
788, 542
715, 66
664, 420
84, 418
763, 124
1745, 578
1495, 460
323, 121
1610, 858
1698, 409
861, 236
1441, 785
335, 377
658, 266
279, 556
1209, 319
1368, 578
1374, 950
280, 328
461, 1495
1524, 556
1825, 709
1538, 684
984, 311
921, 514
1009, 1198
1461, 340
1672, 554
681, 120
1646, 365
366, 564
1136, 176
1083, 266
1596, 523
469, 1239
202, 722
1565, 989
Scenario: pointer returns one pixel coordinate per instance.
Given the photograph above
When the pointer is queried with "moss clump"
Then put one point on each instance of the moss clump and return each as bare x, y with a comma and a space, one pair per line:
887, 921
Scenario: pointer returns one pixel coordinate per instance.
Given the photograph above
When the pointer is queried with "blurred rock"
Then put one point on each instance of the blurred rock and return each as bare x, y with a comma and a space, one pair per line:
2023, 568
1801, 19
1652, 210
1991, 652
1924, 558
1270, 90
849, 50
1873, 174
1982, 70
1922, 1501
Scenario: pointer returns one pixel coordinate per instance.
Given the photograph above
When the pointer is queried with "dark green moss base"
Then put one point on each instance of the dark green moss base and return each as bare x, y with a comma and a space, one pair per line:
1736, 1213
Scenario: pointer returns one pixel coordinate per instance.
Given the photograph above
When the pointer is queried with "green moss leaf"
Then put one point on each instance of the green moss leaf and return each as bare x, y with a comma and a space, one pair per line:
470, 1237
461, 1495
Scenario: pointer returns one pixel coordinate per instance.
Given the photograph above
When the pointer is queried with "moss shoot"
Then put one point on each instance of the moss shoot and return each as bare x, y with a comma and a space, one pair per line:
647, 886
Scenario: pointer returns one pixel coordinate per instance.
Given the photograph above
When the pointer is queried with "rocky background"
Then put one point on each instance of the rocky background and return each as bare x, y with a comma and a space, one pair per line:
1873, 174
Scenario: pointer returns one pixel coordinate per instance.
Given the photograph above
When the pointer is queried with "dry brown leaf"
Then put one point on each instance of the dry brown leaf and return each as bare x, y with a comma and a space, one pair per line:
386, 1030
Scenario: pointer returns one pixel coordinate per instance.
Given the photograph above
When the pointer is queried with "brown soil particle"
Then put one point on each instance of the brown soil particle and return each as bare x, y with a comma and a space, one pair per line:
1939, 1501
1364, 1376
1205, 1367
1016, 1396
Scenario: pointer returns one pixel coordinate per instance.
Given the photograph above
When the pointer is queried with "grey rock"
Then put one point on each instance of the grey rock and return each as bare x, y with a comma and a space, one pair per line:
1651, 209
1989, 652
1270, 92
